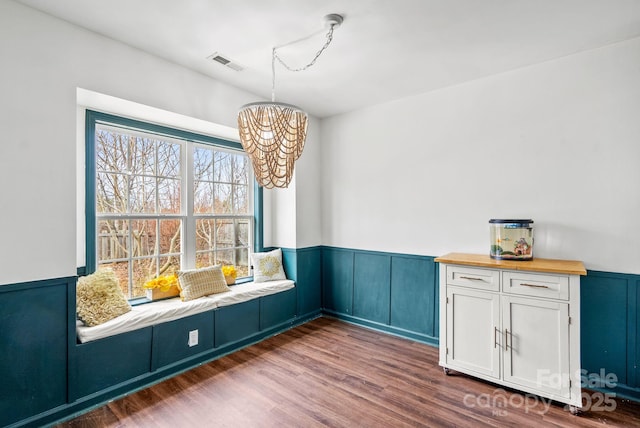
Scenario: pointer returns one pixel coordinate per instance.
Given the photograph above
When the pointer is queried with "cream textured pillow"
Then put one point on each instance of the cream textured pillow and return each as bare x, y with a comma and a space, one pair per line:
201, 282
268, 266
99, 298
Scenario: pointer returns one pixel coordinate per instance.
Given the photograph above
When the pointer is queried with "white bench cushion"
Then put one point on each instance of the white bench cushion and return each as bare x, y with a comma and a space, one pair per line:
149, 314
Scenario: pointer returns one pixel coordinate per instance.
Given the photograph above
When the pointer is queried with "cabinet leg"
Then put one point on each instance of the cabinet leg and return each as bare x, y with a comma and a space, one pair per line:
446, 371
574, 410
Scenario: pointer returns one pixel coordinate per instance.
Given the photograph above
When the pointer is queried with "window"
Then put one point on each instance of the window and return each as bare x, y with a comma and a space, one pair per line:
161, 199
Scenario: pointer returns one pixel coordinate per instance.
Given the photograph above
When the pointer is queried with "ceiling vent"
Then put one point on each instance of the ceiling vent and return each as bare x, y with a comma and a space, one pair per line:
219, 58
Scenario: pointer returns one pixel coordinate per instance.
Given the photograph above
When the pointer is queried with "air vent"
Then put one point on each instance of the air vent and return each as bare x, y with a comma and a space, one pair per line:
219, 58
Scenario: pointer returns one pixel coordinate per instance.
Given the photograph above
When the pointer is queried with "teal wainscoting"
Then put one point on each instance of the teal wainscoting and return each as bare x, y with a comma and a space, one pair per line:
47, 376
394, 293
303, 266
398, 293
610, 332
33, 348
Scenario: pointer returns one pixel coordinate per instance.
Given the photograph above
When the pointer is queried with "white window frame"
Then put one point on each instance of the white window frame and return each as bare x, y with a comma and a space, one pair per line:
188, 142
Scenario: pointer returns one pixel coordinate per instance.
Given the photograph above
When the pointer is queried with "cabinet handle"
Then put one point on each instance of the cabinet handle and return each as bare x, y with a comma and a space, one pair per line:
471, 278
506, 339
495, 337
533, 285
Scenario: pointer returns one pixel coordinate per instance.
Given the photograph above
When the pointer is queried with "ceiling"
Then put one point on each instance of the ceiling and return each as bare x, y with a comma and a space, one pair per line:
385, 49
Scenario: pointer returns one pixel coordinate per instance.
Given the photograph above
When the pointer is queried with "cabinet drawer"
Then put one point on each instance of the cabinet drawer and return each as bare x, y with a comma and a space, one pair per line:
531, 284
483, 279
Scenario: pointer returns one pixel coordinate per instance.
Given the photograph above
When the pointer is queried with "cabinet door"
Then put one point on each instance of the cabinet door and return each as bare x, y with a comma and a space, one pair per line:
473, 336
537, 344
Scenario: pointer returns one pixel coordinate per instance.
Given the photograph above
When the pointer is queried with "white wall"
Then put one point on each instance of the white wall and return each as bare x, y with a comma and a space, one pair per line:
308, 180
44, 61
558, 142
294, 212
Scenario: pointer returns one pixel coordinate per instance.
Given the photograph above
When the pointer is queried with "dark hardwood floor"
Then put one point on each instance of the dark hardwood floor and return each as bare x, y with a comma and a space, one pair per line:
330, 373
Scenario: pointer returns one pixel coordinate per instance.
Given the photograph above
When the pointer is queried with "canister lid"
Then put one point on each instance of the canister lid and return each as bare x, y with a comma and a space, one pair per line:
503, 221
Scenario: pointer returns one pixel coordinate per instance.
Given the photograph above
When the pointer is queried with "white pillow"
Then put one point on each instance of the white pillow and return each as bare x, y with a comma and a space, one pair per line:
268, 266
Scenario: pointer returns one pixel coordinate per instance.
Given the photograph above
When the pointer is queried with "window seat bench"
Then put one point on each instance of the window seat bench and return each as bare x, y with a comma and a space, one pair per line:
172, 309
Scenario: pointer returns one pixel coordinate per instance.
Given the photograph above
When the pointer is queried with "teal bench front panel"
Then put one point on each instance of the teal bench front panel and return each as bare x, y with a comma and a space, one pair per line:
236, 322
277, 308
103, 363
171, 339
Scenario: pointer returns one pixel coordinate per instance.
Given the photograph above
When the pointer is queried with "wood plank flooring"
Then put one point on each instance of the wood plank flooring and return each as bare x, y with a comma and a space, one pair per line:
331, 373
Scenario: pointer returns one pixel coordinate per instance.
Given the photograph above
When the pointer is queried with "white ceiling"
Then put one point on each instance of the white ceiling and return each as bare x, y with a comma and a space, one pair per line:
385, 50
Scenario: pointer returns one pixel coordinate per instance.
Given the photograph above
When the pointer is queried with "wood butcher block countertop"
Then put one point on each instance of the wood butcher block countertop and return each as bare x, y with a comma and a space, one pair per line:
571, 267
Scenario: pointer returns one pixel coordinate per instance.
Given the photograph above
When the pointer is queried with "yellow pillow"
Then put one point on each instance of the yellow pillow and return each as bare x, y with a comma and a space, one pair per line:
99, 298
201, 282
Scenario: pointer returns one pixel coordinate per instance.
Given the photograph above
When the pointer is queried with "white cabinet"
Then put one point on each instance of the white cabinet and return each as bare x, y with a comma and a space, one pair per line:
514, 323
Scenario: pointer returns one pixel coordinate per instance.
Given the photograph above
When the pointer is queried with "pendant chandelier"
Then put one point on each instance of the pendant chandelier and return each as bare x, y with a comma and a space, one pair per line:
273, 134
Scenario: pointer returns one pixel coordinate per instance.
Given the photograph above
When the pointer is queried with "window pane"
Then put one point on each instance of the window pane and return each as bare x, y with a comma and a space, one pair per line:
205, 234
224, 257
143, 271
143, 237
169, 155
121, 270
240, 169
111, 193
225, 236
222, 167
242, 233
240, 199
169, 265
223, 201
205, 259
111, 151
203, 197
142, 195
143, 154
170, 239
169, 196
242, 261
202, 164
112, 239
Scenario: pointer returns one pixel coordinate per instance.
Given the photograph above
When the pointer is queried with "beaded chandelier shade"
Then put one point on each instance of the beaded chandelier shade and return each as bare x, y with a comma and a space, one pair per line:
273, 134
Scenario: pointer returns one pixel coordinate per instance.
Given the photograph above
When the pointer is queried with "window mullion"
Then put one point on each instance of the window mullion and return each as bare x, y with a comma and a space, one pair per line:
233, 210
156, 173
189, 224
157, 246
130, 257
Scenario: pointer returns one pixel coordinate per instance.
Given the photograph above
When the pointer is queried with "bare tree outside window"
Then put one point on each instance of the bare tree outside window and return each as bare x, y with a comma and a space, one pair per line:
140, 212
222, 204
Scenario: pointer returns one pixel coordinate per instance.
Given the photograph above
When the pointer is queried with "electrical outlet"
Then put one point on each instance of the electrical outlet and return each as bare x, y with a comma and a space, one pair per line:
193, 338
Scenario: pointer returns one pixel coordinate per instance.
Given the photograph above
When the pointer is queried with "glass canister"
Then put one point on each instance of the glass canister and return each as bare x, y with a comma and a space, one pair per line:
511, 239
